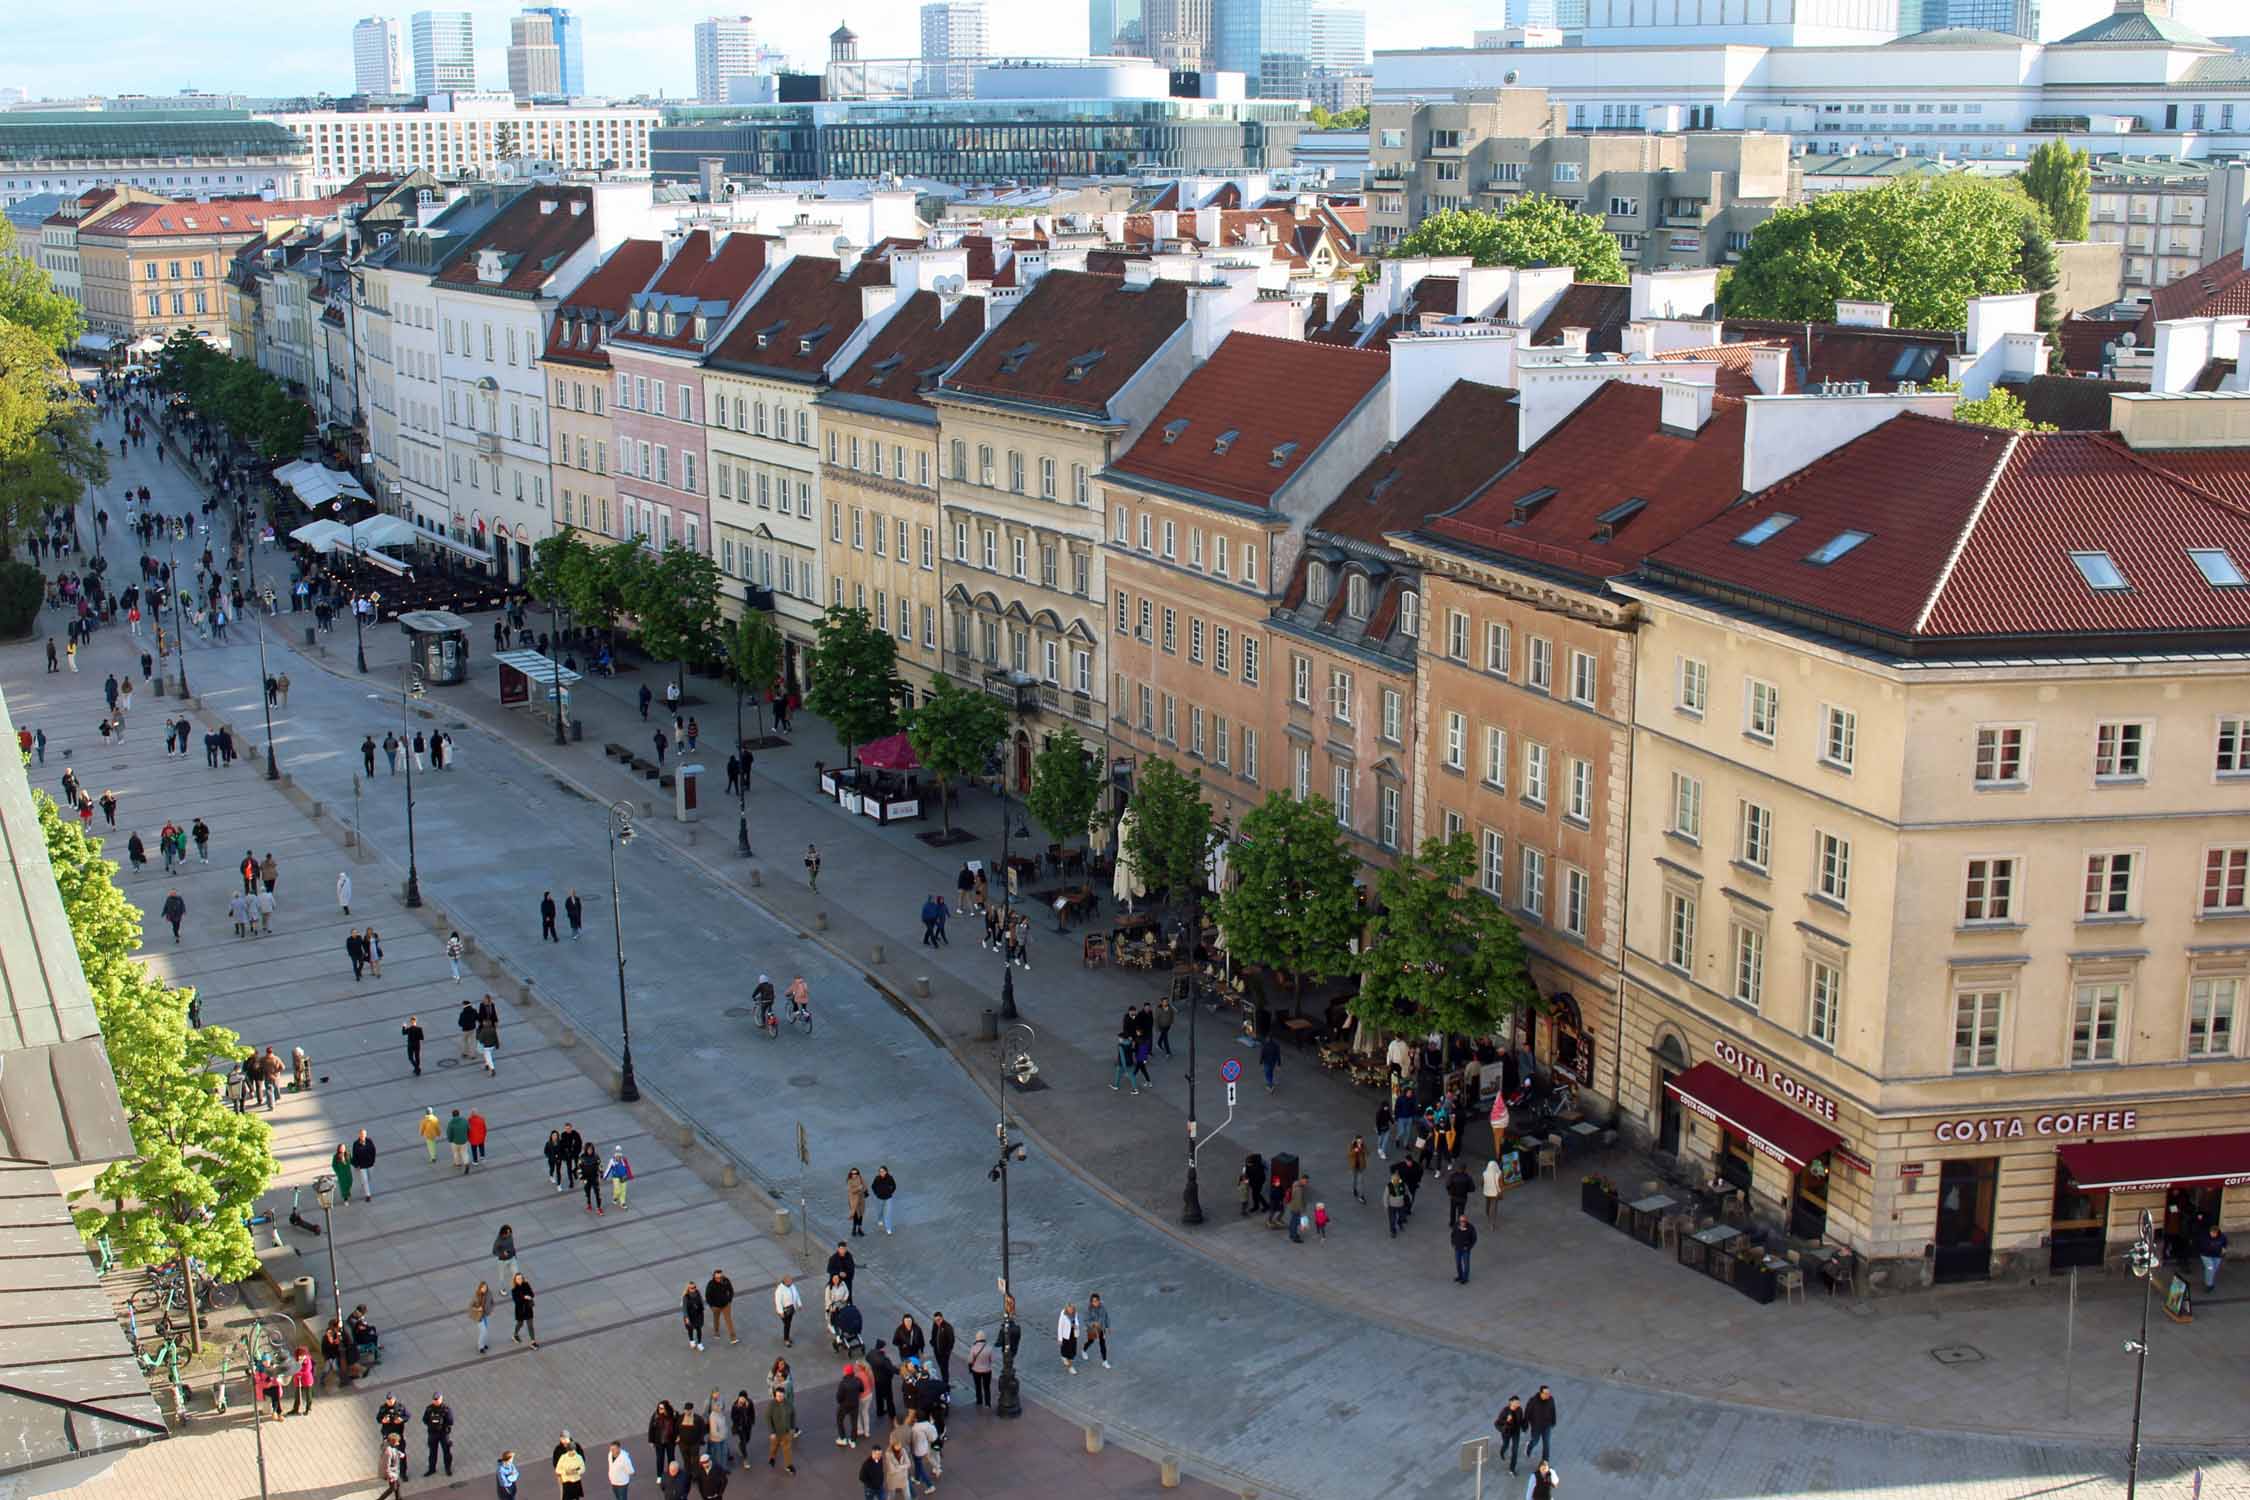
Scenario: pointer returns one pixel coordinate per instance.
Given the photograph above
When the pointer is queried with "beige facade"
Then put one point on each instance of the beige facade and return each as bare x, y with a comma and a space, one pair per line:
1671, 199
884, 549
2170, 217
1962, 915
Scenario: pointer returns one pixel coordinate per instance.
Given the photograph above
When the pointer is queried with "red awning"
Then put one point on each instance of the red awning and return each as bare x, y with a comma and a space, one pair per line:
2130, 1165
891, 754
1772, 1126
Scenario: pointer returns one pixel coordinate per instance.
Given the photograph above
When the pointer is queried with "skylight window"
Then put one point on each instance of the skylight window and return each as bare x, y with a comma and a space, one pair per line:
2218, 567
1174, 428
1013, 360
1282, 453
1226, 440
1835, 547
2098, 570
1767, 529
1080, 364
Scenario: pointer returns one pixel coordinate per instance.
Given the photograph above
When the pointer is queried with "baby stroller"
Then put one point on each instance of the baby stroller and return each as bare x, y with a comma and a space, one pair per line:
844, 1326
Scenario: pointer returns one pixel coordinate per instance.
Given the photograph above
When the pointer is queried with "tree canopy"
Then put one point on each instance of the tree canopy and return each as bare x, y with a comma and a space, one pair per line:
953, 733
1441, 955
47, 450
674, 598
1294, 906
2001, 408
1534, 230
28, 298
1065, 785
2060, 179
754, 658
854, 682
1341, 119
251, 404
1169, 837
1925, 248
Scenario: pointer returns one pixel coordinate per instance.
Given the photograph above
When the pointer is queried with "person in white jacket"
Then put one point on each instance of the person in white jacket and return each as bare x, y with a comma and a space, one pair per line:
1541, 1482
620, 1468
344, 891
786, 1301
1066, 1336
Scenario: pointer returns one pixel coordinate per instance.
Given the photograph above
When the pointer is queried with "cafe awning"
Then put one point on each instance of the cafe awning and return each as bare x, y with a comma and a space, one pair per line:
1772, 1126
2151, 1165
892, 753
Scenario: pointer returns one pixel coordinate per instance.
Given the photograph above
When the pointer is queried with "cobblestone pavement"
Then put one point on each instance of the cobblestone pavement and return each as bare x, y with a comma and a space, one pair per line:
1669, 1383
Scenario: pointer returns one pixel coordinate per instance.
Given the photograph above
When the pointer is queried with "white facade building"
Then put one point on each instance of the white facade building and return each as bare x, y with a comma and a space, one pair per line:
375, 56
953, 43
2135, 80
445, 51
726, 47
463, 137
1339, 38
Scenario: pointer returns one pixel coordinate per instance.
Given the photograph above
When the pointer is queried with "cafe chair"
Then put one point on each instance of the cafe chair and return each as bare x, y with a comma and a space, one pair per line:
1548, 1156
1790, 1282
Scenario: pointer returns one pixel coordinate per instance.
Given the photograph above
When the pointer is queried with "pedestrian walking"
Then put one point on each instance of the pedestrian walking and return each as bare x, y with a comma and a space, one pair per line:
421, 746
393, 1471
343, 887
855, 1198
1509, 1424
437, 1422
367, 754
786, 1302
718, 1296
355, 946
340, 1166
264, 905
477, 1129
661, 743
691, 1310
742, 1422
525, 1302
1356, 1155
590, 1179
1123, 1074
431, 1129
812, 866
619, 1175
1464, 1240
664, 1434
781, 1425
453, 955
898, 1471
374, 953
457, 1138
574, 911
269, 872
466, 1022
390, 752
1394, 1201
2211, 1249
885, 1189
506, 1476
1539, 1421
175, 910
621, 1471
488, 1041
849, 1390
363, 1164
1494, 1186
1066, 1336
480, 1313
202, 834
1096, 1327
645, 695
980, 1367
1269, 1058
547, 918
1543, 1482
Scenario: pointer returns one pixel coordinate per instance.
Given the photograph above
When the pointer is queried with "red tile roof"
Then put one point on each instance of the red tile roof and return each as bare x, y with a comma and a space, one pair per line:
1260, 394
2219, 289
1970, 536
1735, 366
981, 256
1570, 503
1460, 443
1883, 357
705, 274
1602, 308
1072, 323
604, 295
1438, 294
912, 350
534, 234
221, 216
1340, 327
2085, 341
805, 315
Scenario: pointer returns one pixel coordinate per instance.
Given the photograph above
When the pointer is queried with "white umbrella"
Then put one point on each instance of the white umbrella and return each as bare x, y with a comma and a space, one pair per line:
1126, 883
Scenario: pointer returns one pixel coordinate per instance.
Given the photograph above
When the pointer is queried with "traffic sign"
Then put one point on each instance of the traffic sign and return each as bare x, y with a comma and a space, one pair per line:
1231, 1069
1230, 1096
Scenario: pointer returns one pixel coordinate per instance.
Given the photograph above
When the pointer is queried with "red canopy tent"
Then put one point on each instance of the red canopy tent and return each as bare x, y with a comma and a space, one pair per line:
892, 754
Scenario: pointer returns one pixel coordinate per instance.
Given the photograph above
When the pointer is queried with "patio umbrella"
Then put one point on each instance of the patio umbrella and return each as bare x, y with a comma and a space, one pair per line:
891, 754
1126, 884
1097, 832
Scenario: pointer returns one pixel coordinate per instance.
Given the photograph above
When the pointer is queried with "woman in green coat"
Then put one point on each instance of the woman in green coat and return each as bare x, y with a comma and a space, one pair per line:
341, 1165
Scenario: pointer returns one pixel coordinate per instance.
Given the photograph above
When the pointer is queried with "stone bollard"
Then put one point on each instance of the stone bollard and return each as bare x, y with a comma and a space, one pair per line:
921, 986
524, 992
569, 1037
988, 1025
1168, 1471
687, 1135
757, 877
316, 807
875, 953
1093, 1437
820, 921
729, 1177
780, 1221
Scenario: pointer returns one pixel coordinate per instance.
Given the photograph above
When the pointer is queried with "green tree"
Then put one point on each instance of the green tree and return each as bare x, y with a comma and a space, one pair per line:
1925, 247
1534, 230
953, 733
854, 680
2060, 179
1169, 836
199, 1167
674, 597
754, 660
1294, 906
1441, 955
603, 579
29, 300
1065, 785
555, 561
1342, 119
2001, 408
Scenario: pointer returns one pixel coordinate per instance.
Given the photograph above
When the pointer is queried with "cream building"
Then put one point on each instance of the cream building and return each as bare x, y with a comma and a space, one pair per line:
577, 372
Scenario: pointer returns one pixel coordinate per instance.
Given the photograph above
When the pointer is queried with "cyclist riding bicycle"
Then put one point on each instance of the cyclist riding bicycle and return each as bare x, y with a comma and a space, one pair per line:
761, 995
800, 1000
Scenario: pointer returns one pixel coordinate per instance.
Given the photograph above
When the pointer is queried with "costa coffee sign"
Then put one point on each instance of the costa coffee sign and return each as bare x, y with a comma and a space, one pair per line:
1811, 1100
2017, 1127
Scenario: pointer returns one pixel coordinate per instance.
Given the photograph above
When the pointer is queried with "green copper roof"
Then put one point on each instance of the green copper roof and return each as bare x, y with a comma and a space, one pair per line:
2137, 26
87, 137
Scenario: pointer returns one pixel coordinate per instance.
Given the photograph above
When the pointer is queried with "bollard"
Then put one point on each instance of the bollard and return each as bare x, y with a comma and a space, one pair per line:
729, 1177
687, 1134
316, 807
757, 877
1168, 1472
780, 1222
1093, 1437
524, 992
921, 986
988, 1025
820, 921
569, 1038
875, 953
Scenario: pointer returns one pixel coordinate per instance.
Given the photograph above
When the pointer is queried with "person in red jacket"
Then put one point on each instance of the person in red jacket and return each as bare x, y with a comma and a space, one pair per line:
477, 1128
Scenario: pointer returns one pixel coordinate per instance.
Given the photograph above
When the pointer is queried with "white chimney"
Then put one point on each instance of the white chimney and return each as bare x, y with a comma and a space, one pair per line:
1769, 369
1424, 366
1863, 314
1688, 333
1140, 272
1207, 223
1639, 341
1030, 265
1782, 434
1684, 293
1574, 340
1550, 393
1113, 228
1687, 406
847, 259
1164, 223
876, 299
1212, 311
1990, 318
921, 270
2183, 348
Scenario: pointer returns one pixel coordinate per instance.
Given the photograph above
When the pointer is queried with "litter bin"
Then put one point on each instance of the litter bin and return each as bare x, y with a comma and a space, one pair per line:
577, 729
687, 786
308, 635
304, 1296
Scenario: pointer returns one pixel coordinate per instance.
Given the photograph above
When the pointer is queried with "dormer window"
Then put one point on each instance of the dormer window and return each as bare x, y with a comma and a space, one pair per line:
1528, 506
633, 320
1282, 453
1173, 429
811, 340
702, 328
1612, 521
883, 367
1013, 360
671, 325
1226, 440
1316, 584
1410, 614
1355, 596
1080, 364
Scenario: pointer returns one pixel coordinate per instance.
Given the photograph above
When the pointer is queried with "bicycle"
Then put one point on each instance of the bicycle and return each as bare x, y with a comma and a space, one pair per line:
800, 1016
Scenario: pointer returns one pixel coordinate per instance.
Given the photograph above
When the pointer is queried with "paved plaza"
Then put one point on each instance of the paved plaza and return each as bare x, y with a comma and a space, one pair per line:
1350, 1367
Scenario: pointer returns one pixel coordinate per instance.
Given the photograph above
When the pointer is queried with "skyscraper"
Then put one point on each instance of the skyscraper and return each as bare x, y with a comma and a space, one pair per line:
534, 61
445, 51
1569, 15
1179, 34
1268, 41
725, 47
952, 46
375, 56
1339, 38
2019, 17
570, 38
1114, 29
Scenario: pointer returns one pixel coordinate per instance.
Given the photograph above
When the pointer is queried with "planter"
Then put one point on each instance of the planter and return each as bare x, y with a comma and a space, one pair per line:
1694, 1254
1722, 1268
1598, 1199
1754, 1281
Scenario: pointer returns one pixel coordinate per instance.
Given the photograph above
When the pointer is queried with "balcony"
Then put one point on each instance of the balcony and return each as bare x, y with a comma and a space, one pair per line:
1018, 691
488, 445
1387, 171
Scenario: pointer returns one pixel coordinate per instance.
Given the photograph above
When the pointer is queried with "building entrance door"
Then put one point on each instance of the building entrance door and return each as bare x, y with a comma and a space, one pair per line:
1964, 1218
1668, 1114
2081, 1226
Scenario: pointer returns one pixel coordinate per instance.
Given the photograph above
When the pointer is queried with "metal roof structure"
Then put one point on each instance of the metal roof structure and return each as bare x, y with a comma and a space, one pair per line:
102, 138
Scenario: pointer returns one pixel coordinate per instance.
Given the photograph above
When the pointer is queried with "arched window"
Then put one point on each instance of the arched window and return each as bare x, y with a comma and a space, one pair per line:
1355, 595
1316, 583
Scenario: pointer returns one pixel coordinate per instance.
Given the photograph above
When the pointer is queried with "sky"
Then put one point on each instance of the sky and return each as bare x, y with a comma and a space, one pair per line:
304, 46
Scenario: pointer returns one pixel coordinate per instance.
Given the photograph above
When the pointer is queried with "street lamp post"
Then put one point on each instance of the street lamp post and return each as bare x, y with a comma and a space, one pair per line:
1015, 1065
555, 618
179, 624
621, 832
410, 687
2143, 1261
273, 769
324, 1189
359, 628
1191, 1198
1008, 1010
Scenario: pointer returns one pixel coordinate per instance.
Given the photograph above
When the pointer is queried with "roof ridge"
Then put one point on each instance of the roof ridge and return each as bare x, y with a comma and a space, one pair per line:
2212, 497
1968, 530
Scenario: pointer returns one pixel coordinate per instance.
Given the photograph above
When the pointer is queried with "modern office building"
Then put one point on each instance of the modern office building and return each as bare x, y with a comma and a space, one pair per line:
466, 135
172, 153
953, 43
1562, 15
1339, 38
1269, 42
445, 51
1115, 28
375, 56
570, 37
1752, 23
1179, 33
534, 59
2013, 17
726, 47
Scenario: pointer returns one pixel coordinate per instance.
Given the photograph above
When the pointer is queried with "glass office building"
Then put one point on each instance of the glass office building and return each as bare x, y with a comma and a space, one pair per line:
1269, 42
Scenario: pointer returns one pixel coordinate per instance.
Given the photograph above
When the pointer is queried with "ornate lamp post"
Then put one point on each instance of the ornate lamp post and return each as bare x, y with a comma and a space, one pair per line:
172, 587
324, 1189
1015, 1066
621, 832
2142, 1259
410, 687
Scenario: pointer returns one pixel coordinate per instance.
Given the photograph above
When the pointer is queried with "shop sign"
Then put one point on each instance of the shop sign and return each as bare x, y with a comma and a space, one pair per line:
1806, 1098
1852, 1159
1909, 1169
2017, 1127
